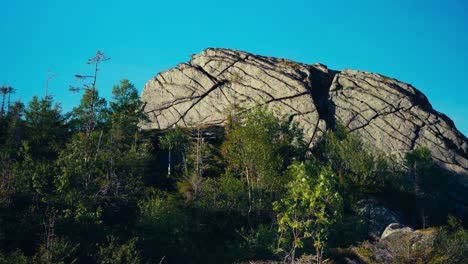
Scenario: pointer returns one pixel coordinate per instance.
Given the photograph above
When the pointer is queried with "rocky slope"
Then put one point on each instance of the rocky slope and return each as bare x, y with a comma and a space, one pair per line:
390, 115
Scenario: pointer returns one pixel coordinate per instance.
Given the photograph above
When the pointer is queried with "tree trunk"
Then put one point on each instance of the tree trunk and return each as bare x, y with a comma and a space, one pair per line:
3, 104
184, 160
249, 188
169, 163
319, 255
293, 254
9, 96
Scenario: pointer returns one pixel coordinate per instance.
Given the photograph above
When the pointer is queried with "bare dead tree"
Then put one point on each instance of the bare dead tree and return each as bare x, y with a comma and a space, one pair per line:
91, 87
49, 77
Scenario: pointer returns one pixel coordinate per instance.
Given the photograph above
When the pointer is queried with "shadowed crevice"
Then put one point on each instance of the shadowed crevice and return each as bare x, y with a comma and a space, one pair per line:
319, 87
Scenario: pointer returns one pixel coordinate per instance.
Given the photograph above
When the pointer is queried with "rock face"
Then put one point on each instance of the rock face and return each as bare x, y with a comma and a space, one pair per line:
376, 217
390, 115
203, 90
395, 117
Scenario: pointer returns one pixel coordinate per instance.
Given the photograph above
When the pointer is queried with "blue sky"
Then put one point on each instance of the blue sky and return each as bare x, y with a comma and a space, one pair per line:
422, 42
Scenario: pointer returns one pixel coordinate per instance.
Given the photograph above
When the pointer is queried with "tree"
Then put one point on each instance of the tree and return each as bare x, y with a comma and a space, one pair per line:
359, 171
83, 120
6, 90
82, 166
164, 229
258, 149
92, 99
423, 172
15, 257
12, 126
451, 243
113, 252
309, 208
126, 113
101, 169
428, 182
200, 160
175, 139
45, 127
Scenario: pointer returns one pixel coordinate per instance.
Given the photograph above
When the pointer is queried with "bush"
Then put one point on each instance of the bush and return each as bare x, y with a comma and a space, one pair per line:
359, 171
163, 228
16, 257
451, 245
113, 252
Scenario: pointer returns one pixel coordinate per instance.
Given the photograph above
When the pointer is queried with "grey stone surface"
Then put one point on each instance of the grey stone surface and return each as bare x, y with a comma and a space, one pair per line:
391, 116
376, 217
408, 238
395, 117
395, 229
203, 90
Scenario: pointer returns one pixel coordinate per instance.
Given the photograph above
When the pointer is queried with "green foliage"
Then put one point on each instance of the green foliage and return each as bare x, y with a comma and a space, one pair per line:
113, 252
428, 187
309, 208
7, 188
16, 257
451, 245
164, 228
20, 210
256, 243
12, 129
82, 179
347, 230
91, 113
225, 194
92, 189
199, 160
189, 186
259, 149
45, 127
419, 160
174, 140
359, 172
348, 157
23, 170
105, 167
57, 250
126, 113
424, 173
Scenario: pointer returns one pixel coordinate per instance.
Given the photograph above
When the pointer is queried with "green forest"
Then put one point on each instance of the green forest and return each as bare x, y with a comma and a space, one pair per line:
88, 186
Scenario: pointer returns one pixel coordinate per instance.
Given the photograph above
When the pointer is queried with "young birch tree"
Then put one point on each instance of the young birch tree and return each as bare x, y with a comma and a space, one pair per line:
308, 210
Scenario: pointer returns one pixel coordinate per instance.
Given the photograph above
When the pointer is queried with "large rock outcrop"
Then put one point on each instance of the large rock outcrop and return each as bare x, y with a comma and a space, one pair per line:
203, 90
390, 115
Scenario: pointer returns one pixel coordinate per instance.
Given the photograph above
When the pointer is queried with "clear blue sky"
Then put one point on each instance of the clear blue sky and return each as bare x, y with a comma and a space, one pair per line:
422, 42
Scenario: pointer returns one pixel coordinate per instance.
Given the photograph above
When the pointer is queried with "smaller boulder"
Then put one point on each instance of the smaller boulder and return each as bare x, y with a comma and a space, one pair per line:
376, 216
395, 228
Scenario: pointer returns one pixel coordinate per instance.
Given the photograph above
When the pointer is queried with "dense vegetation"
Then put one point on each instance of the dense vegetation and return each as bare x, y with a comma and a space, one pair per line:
90, 187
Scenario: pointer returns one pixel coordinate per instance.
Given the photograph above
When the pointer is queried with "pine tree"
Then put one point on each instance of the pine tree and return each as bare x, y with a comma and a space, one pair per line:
45, 127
